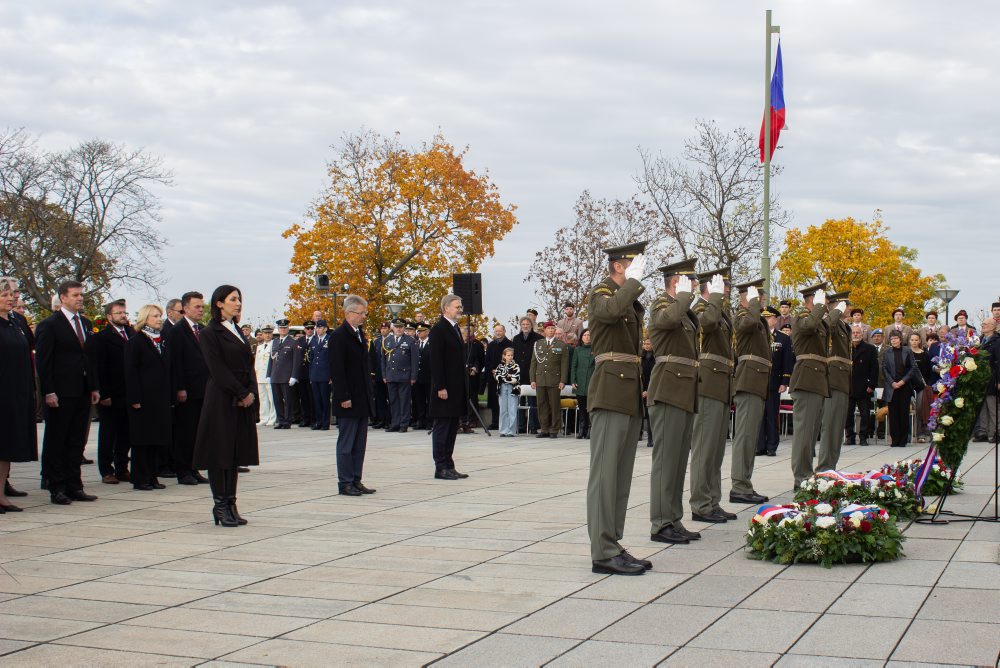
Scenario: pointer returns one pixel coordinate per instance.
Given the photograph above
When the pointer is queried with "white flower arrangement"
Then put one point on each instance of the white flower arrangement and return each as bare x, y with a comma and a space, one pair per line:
824, 509
959, 402
969, 364
826, 521
947, 420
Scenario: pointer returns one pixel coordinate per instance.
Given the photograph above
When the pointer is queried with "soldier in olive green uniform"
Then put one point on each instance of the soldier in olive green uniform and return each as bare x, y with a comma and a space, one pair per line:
548, 374
615, 403
672, 399
838, 373
715, 376
753, 373
809, 385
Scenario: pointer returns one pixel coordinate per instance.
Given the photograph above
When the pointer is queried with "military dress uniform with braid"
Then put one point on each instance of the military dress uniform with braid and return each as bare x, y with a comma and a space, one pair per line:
753, 373
614, 400
838, 373
809, 386
549, 369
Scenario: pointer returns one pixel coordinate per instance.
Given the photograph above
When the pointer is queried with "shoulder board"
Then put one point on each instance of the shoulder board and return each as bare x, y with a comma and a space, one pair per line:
802, 312
699, 307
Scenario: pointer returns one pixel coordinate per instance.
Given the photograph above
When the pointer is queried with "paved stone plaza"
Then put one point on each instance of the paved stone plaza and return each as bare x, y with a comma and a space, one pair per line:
488, 571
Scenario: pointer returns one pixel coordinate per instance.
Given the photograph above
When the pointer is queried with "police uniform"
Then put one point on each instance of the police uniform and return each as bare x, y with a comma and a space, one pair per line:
672, 399
399, 369
615, 402
711, 424
838, 373
750, 386
549, 371
286, 361
809, 385
319, 378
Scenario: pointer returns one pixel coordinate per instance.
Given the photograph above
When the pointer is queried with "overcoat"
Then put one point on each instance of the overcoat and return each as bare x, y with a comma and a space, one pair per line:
110, 356
147, 383
864, 374
350, 371
447, 371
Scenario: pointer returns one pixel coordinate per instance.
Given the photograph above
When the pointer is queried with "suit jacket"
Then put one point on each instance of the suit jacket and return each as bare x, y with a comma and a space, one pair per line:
864, 373
424, 368
351, 374
110, 359
64, 366
782, 361
447, 371
147, 383
188, 369
910, 370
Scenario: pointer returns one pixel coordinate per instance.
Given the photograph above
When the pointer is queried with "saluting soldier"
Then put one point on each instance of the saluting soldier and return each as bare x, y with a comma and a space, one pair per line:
838, 373
715, 385
672, 399
283, 374
548, 374
399, 372
615, 402
753, 373
319, 376
810, 385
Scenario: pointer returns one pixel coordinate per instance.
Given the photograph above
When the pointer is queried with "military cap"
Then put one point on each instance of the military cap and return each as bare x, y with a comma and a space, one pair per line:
787, 325
706, 276
548, 323
409, 325
626, 252
532, 311
682, 268
308, 324
281, 323
812, 289
321, 323
784, 302
993, 306
842, 296
398, 322
267, 328
769, 312
423, 327
877, 331
857, 310
742, 287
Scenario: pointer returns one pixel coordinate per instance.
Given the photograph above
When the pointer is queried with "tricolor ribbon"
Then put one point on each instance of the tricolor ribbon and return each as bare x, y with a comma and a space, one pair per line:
925, 470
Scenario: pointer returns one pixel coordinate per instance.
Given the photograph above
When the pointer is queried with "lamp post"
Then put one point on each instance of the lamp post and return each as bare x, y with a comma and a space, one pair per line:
323, 288
394, 310
946, 295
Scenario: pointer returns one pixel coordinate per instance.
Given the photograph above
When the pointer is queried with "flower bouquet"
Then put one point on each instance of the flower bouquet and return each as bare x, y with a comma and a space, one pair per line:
965, 373
823, 533
937, 478
895, 493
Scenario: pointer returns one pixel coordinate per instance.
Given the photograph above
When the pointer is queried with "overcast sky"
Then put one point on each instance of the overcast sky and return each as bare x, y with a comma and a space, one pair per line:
891, 105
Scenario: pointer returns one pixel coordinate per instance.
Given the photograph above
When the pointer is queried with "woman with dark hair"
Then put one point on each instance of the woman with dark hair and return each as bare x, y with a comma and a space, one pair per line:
147, 391
227, 432
581, 369
899, 369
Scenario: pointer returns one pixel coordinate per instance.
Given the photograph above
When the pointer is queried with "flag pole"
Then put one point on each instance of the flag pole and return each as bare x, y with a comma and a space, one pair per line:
765, 257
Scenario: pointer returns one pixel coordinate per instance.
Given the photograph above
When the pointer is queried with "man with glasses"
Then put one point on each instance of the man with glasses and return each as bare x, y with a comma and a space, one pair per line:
174, 313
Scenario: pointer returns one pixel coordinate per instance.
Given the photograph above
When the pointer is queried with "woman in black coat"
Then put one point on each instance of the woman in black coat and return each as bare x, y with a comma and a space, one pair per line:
19, 442
147, 392
227, 431
899, 370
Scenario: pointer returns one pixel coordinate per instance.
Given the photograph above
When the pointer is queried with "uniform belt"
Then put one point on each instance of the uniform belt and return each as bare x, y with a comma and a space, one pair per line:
754, 358
617, 357
716, 358
815, 358
676, 359
846, 361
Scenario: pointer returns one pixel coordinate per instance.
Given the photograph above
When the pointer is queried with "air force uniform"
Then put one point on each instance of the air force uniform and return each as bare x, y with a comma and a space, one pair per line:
319, 378
400, 364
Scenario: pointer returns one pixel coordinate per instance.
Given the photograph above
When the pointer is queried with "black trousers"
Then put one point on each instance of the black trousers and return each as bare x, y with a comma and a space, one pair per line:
864, 407
112, 438
899, 416
64, 441
769, 433
186, 418
421, 399
443, 441
144, 463
493, 401
583, 417
303, 395
381, 403
527, 420
352, 441
320, 391
399, 404
284, 402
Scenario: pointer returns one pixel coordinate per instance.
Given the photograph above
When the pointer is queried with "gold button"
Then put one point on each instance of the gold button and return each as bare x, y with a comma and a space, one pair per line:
621, 375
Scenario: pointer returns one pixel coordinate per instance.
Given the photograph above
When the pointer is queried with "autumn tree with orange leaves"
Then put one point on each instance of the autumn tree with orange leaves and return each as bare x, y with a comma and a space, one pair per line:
858, 256
395, 224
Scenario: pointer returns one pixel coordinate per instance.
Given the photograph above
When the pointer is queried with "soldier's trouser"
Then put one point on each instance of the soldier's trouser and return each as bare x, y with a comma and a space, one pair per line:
832, 434
399, 404
749, 415
711, 426
672, 428
549, 410
282, 394
321, 402
267, 414
612, 458
806, 411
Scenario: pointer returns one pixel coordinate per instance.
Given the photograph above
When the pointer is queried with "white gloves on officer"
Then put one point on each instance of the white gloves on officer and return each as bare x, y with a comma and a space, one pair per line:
717, 285
752, 293
842, 307
292, 381
637, 269
819, 297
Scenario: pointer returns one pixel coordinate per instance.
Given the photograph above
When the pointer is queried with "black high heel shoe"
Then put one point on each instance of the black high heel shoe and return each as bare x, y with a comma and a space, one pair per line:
222, 514
235, 513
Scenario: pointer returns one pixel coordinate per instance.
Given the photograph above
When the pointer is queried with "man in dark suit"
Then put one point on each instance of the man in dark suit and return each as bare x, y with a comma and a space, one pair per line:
864, 380
112, 439
353, 397
64, 356
448, 386
283, 374
174, 314
494, 355
422, 388
782, 363
189, 375
319, 376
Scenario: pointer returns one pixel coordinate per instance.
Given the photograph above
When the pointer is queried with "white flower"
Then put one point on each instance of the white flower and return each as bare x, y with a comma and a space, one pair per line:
960, 403
940, 388
784, 521
947, 420
936, 468
938, 437
881, 495
825, 522
856, 518
800, 519
969, 364
890, 483
824, 509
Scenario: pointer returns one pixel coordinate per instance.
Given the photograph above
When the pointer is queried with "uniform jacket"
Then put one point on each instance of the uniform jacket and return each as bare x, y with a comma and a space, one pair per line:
351, 373
286, 360
187, 362
615, 316
785, 320
375, 354
319, 359
147, 382
715, 373
401, 360
782, 360
448, 371
110, 359
673, 329
305, 348
910, 370
923, 331
64, 366
810, 336
574, 325
838, 369
581, 369
424, 357
864, 373
905, 329
262, 358
752, 338
550, 363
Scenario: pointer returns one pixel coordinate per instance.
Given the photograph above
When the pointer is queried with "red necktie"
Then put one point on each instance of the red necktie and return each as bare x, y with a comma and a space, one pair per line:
79, 330
197, 337
124, 335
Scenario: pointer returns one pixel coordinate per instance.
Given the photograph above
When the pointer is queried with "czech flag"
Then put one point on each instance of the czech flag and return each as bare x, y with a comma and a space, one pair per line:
777, 107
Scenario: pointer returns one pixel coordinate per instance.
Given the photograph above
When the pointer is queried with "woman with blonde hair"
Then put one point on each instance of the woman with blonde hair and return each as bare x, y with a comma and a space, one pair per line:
17, 399
147, 391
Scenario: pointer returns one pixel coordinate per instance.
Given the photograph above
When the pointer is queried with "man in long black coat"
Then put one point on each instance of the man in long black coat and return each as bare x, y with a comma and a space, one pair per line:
864, 380
113, 438
449, 400
782, 363
353, 396
189, 375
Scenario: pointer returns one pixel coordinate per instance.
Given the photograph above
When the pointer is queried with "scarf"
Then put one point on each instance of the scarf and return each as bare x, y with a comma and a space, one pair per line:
154, 335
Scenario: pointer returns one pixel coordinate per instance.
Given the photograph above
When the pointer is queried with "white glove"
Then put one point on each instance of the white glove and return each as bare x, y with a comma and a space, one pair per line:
842, 307
637, 269
267, 380
752, 293
694, 287
819, 297
292, 381
717, 285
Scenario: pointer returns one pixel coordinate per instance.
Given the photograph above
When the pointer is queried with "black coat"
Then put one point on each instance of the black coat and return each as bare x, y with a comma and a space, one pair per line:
909, 372
447, 371
424, 370
147, 383
494, 354
523, 350
188, 369
350, 372
22, 323
864, 371
64, 366
475, 360
782, 361
227, 434
110, 359
19, 442
992, 346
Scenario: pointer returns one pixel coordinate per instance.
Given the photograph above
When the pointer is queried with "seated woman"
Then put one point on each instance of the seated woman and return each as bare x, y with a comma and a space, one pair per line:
899, 370
147, 390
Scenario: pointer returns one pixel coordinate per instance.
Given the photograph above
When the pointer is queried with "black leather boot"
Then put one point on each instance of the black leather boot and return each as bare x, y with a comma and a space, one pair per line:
231, 479
222, 513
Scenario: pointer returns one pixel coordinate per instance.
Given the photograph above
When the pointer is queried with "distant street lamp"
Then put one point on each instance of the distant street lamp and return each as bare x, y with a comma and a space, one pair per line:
946, 295
323, 288
394, 310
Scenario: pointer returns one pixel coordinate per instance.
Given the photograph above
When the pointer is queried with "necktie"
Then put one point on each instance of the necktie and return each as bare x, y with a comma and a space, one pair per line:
197, 336
360, 339
124, 335
458, 330
79, 329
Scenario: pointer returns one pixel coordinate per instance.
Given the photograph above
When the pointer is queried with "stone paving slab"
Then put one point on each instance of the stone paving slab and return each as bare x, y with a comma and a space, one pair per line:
488, 571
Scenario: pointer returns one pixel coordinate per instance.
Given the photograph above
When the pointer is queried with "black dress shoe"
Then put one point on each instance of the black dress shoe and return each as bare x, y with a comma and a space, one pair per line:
315, 427
669, 534
690, 535
10, 508
389, 430
713, 518
753, 497
84, 460
326, 428
143, 487
243, 469
202, 480
459, 475
553, 435
60, 499
864, 441
445, 474
403, 430
541, 434
10, 491
723, 513
760, 453
364, 490
80, 495
617, 565
645, 563
350, 490
772, 453
849, 441
186, 480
